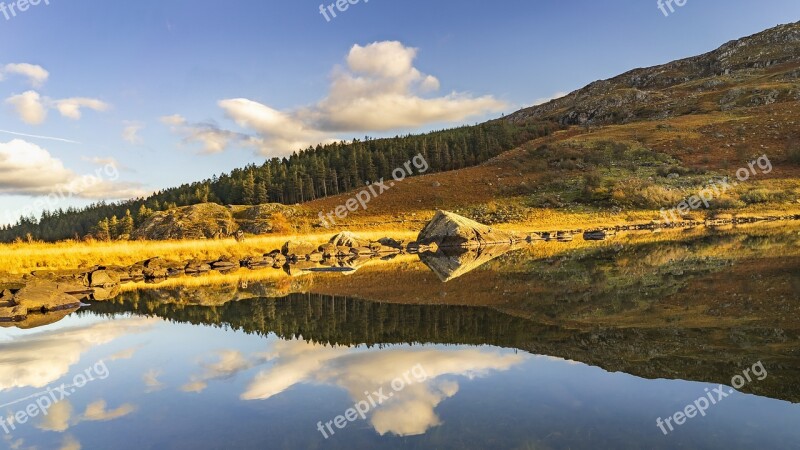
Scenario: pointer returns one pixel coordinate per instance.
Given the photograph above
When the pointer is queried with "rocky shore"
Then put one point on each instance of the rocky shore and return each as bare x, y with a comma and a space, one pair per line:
48, 292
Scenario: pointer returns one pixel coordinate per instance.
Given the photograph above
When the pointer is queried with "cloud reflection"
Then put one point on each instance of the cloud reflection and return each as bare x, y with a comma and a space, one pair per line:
39, 359
410, 412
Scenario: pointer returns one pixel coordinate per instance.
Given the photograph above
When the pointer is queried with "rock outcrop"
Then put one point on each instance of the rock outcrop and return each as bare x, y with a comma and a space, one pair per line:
203, 221
447, 229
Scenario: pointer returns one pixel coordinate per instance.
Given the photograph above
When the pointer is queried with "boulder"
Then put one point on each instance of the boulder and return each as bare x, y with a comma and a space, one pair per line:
297, 249
327, 250
597, 235
105, 293
103, 278
13, 313
391, 243
348, 239
153, 263
196, 266
447, 229
257, 261
224, 265
279, 260
44, 296
154, 273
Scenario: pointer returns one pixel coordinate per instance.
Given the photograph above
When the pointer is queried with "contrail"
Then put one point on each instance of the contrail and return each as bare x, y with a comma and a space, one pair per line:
40, 137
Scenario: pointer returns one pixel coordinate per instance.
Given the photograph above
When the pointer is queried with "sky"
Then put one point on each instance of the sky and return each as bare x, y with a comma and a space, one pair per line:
105, 100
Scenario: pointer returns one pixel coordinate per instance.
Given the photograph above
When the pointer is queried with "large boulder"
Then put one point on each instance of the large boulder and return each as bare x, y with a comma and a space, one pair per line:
447, 229
348, 239
44, 296
203, 221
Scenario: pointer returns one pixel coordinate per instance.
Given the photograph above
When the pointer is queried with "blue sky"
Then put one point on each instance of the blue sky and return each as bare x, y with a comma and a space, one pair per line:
202, 87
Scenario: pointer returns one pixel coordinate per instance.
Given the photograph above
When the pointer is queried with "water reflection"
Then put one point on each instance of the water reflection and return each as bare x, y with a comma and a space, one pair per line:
626, 331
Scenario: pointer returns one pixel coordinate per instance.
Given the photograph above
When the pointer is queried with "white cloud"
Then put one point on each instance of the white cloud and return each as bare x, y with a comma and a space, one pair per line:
97, 412
131, 132
229, 364
173, 120
542, 101
71, 107
96, 160
70, 443
410, 411
39, 359
27, 169
59, 417
277, 130
29, 107
210, 136
36, 75
151, 381
32, 108
379, 89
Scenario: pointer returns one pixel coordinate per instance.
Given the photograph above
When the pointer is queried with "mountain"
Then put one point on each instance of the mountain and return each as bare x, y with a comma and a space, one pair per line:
753, 71
617, 149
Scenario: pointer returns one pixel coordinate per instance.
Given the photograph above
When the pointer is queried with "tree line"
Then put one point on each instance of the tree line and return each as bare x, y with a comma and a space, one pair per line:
306, 175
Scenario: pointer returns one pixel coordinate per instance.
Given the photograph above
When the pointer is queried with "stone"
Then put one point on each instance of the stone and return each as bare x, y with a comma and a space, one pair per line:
14, 313
348, 239
391, 243
447, 229
155, 273
223, 265
44, 296
297, 249
105, 293
103, 278
327, 250
280, 260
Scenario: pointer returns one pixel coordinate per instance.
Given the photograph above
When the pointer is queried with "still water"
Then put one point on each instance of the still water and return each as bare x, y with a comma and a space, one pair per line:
577, 346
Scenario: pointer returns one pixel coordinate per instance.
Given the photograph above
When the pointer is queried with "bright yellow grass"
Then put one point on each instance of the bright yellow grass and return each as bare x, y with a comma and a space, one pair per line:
26, 257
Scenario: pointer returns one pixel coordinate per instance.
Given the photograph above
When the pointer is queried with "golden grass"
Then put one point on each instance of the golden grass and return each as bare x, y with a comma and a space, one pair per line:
22, 258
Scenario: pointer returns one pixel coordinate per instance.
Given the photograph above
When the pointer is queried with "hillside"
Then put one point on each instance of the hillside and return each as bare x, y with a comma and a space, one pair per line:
614, 151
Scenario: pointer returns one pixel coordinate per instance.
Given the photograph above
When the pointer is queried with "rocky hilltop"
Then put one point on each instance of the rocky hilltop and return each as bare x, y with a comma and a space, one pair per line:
753, 71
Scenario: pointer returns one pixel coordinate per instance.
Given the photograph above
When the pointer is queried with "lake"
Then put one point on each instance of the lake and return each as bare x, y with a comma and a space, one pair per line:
559, 345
